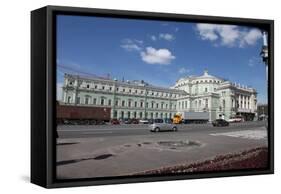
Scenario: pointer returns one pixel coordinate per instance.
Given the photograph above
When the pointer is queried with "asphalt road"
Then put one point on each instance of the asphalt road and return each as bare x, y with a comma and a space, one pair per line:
117, 150
88, 131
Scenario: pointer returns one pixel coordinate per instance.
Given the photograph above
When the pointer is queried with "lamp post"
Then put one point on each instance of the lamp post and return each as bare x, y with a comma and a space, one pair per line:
114, 99
264, 55
264, 52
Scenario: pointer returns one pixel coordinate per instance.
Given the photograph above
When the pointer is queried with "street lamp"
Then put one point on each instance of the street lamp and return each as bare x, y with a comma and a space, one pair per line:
114, 99
264, 52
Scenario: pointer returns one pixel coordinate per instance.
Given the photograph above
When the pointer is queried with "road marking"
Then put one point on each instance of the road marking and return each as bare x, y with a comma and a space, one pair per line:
89, 133
89, 129
245, 134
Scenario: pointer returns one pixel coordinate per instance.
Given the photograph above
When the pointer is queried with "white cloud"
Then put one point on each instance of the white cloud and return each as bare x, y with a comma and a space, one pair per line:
166, 36
251, 37
59, 91
228, 35
183, 70
254, 61
207, 31
139, 41
154, 38
132, 45
154, 56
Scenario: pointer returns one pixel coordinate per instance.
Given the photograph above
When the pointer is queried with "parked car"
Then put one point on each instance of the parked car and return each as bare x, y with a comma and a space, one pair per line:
235, 119
143, 121
134, 121
163, 125
220, 123
127, 121
115, 122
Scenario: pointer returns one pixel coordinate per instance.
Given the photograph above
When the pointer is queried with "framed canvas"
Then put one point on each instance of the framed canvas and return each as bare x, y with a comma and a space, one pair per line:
125, 96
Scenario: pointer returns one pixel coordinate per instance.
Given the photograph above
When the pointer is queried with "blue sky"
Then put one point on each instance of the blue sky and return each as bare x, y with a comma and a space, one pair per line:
159, 52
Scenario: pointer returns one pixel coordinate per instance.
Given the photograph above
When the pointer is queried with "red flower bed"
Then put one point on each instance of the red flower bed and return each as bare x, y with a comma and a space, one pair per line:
250, 159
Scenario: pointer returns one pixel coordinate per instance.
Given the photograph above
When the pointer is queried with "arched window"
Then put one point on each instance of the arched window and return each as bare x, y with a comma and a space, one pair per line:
102, 101
69, 99
86, 100
115, 114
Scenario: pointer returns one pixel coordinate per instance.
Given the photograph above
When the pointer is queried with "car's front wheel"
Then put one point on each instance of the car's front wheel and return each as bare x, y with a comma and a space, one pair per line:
157, 129
175, 129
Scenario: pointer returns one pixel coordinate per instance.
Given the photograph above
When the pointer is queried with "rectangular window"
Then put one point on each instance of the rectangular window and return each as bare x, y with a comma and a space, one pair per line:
78, 100
109, 102
136, 103
102, 101
94, 101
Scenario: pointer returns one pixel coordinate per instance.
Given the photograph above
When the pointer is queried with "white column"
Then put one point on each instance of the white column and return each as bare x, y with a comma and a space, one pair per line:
64, 96
74, 97
250, 102
239, 101
243, 101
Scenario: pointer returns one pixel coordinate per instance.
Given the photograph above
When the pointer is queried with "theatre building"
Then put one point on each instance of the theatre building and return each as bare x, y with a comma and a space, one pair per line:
139, 99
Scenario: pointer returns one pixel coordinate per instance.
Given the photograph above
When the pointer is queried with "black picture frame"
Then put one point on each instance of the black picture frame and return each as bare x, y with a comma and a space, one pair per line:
43, 93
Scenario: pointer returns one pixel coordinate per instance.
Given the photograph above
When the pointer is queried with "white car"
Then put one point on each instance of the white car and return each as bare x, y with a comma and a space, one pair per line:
143, 121
235, 119
163, 125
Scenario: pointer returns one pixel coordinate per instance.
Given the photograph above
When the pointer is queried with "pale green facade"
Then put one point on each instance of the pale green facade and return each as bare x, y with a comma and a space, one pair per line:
137, 99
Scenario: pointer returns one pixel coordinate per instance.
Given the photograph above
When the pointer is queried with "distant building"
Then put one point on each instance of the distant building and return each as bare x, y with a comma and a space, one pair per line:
138, 99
